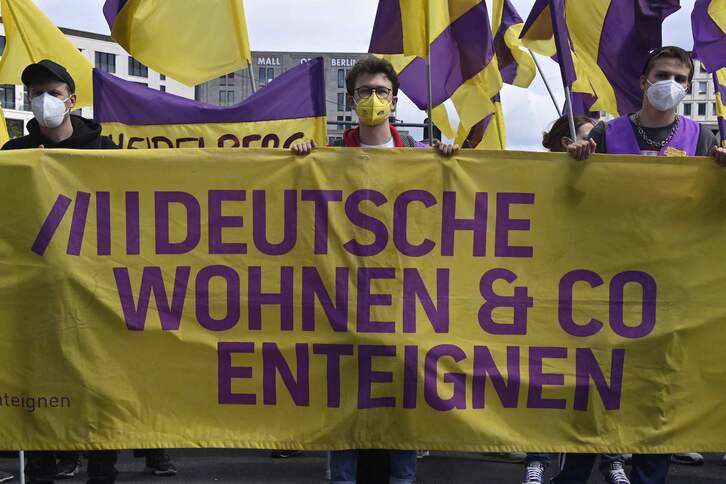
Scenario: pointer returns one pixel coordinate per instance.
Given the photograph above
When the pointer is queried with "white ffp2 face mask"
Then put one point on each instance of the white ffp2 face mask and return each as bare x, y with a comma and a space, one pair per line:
665, 95
49, 110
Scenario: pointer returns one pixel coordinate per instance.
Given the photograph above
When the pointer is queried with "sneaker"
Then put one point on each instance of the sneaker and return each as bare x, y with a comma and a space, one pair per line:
687, 459
5, 477
534, 473
509, 457
284, 454
615, 473
160, 466
67, 468
420, 454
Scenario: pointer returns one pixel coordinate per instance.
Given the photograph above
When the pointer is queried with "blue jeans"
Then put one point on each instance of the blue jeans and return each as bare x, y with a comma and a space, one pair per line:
647, 469
605, 459
344, 463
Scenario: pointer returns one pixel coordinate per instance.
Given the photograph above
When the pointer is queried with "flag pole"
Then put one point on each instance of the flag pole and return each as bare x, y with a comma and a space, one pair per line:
570, 114
429, 84
719, 102
547, 84
252, 79
21, 459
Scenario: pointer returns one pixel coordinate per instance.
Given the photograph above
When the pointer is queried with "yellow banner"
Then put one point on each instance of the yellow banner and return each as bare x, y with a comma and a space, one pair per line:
259, 134
493, 301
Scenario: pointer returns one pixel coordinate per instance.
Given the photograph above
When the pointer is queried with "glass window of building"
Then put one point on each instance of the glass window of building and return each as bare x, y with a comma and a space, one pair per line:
230, 98
162, 77
341, 101
687, 109
137, 69
15, 128
7, 96
340, 126
701, 109
2, 44
341, 78
702, 87
162, 88
26, 99
106, 62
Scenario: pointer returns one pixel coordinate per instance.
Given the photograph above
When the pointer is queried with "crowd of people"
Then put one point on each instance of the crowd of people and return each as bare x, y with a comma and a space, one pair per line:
372, 85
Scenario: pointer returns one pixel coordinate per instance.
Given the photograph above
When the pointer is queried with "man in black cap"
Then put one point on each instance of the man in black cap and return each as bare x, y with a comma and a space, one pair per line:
52, 97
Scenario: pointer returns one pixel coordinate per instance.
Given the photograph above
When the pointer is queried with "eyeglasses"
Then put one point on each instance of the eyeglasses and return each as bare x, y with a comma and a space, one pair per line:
365, 91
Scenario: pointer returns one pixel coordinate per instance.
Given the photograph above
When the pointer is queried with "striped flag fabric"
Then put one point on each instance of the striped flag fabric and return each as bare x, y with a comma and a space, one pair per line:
458, 36
515, 63
192, 41
708, 22
608, 43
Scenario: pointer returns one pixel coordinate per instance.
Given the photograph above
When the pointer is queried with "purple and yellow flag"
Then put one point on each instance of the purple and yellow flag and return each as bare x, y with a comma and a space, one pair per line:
609, 41
489, 133
708, 21
515, 63
458, 36
719, 82
290, 108
189, 40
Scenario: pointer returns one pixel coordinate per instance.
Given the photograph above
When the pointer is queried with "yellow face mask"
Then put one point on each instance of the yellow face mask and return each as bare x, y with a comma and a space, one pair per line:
373, 110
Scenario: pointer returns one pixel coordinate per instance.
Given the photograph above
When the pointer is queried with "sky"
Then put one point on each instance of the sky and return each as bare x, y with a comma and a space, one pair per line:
345, 26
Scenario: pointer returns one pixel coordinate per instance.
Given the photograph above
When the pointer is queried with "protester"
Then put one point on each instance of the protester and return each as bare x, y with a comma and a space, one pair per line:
372, 86
52, 97
611, 465
656, 130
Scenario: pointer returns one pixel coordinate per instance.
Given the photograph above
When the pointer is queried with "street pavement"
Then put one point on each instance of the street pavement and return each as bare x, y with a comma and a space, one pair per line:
197, 466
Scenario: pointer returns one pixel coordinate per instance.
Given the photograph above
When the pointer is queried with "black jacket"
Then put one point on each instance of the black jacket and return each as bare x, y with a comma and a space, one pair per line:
86, 136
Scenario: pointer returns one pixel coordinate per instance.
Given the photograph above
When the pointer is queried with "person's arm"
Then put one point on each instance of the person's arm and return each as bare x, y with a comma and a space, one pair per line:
708, 146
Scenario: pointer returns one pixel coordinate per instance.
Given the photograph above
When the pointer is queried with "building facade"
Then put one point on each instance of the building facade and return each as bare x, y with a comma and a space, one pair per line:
266, 66
700, 103
104, 53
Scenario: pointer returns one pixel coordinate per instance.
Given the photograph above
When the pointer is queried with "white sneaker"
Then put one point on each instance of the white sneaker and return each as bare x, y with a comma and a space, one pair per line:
420, 454
615, 474
687, 459
534, 473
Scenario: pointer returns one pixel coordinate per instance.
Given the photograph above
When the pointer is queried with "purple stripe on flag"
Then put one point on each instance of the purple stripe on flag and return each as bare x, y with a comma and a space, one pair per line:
78, 225
51, 223
111, 10
505, 59
562, 41
629, 33
582, 104
297, 93
387, 36
722, 130
709, 41
463, 50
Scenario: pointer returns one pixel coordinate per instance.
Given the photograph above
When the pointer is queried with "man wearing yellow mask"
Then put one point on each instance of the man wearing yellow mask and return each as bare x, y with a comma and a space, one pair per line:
372, 86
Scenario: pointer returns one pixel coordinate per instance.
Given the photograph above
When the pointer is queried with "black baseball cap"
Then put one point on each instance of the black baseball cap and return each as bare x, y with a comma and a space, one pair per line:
43, 70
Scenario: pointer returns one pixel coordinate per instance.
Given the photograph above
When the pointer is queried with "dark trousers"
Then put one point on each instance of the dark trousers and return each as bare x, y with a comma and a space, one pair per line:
101, 467
647, 468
